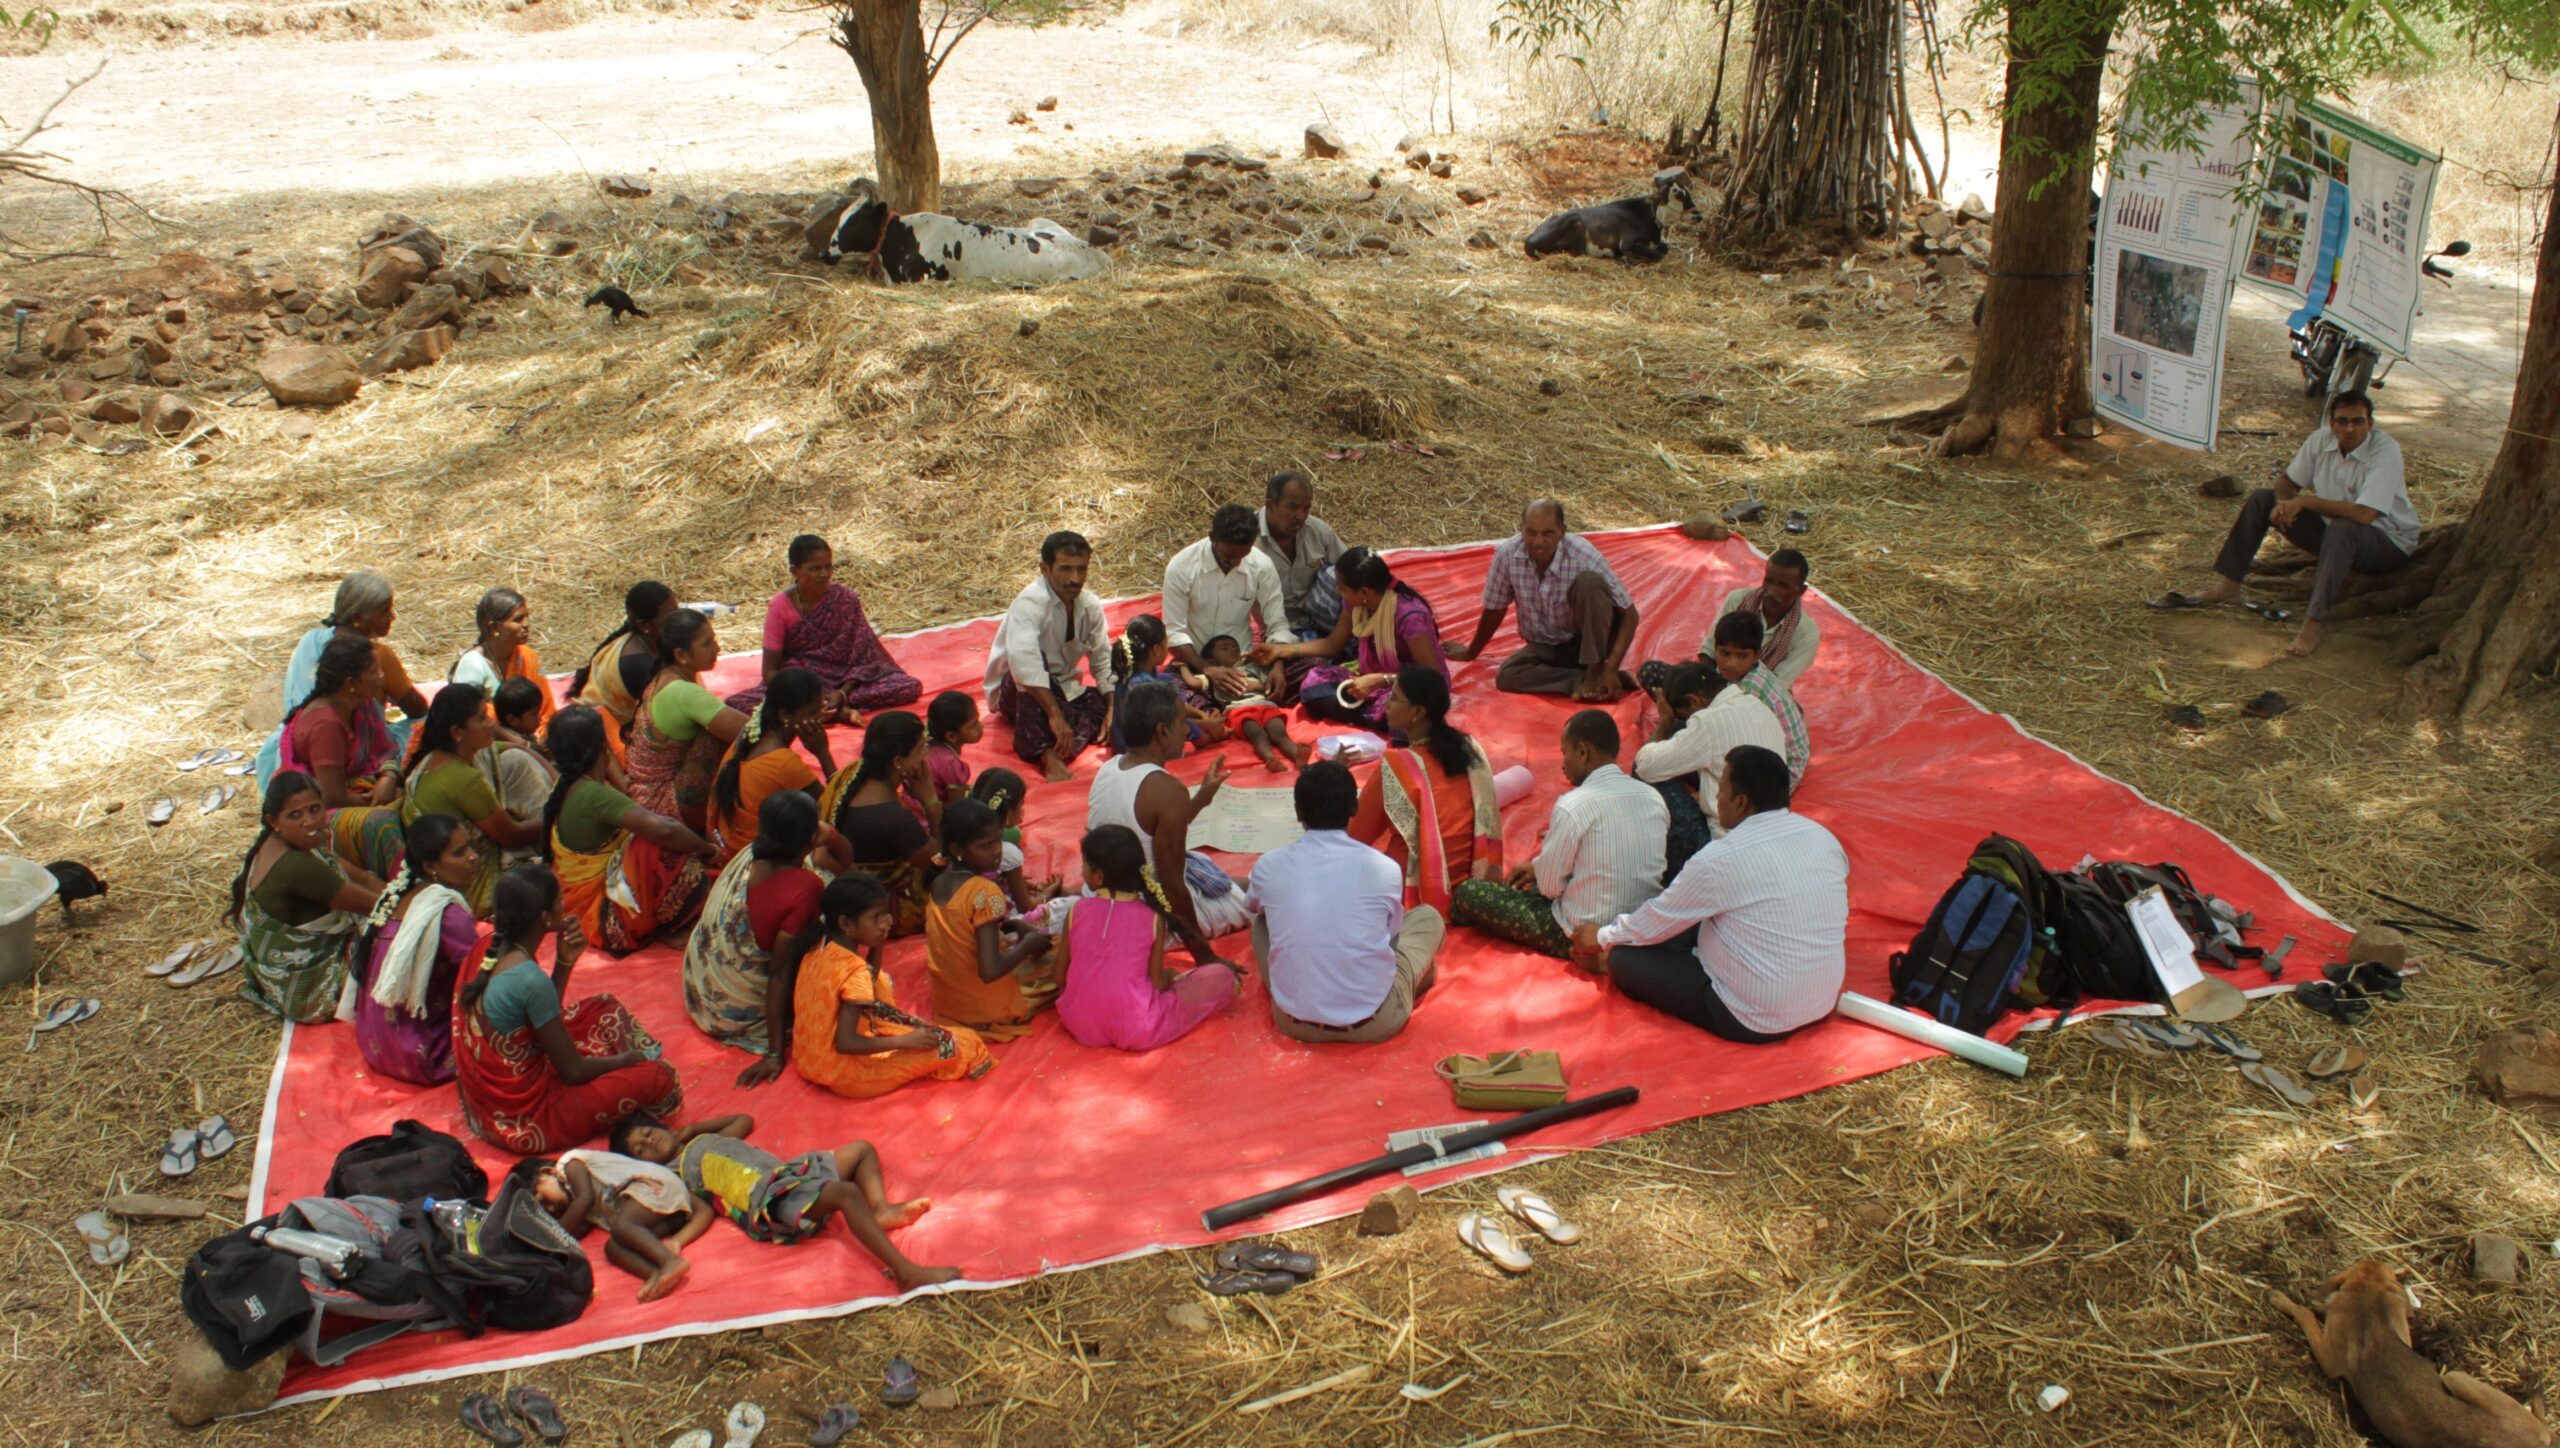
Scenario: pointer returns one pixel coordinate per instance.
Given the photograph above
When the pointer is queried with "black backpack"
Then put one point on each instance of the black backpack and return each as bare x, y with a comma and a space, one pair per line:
1982, 942
413, 1162
247, 1299
383, 1288
521, 1269
2095, 946
2213, 924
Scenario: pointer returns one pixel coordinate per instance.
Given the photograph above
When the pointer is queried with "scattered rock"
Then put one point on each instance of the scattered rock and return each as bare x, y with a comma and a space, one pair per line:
1956, 362
2081, 427
2496, 1259
1472, 197
428, 306
555, 223
1481, 241
2220, 485
201, 1389
1408, 141
1216, 155
64, 340
19, 420
1030, 327
1550, 387
629, 188
1289, 224
1442, 169
388, 274
1190, 1317
1038, 186
1018, 117
936, 1399
169, 415
407, 351
1101, 235
1812, 322
1045, 103
1374, 242
2379, 943
1324, 142
75, 390
1705, 529
1973, 212
2520, 1069
310, 376
1419, 157
298, 426
107, 369
1390, 1212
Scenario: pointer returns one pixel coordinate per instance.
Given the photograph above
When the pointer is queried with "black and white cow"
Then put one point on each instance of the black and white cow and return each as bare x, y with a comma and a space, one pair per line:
925, 244
1629, 229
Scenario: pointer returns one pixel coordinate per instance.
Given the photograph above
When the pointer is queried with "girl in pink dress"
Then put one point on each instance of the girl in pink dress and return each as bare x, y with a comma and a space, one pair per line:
1119, 991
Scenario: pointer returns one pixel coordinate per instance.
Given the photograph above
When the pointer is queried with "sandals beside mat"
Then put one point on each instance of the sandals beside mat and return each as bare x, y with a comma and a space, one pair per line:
1540, 1213
2276, 1081
207, 966
2332, 1000
838, 1420
481, 1414
2335, 1061
539, 1412
68, 1011
168, 964
188, 1149
2177, 600
899, 1385
1488, 1236
745, 1424
108, 1244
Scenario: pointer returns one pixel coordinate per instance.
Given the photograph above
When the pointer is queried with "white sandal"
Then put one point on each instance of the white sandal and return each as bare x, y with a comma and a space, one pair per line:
1491, 1238
206, 968
168, 964
1540, 1213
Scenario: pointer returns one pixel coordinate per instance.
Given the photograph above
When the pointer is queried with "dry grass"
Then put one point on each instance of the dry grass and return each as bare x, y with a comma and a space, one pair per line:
1909, 1259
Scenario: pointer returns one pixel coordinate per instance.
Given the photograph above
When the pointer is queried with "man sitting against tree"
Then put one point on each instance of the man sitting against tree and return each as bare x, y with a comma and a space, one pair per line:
1053, 631
2343, 497
1602, 857
1749, 940
1789, 636
1576, 619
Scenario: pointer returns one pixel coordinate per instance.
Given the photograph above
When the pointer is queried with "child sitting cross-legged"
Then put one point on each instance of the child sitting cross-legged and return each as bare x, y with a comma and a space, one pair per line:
1263, 724
1003, 791
648, 1216
779, 1201
978, 958
1140, 656
847, 1033
1119, 991
950, 721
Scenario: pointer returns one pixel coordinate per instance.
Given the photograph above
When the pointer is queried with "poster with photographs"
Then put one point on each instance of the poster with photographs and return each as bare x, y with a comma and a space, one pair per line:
2342, 224
2171, 232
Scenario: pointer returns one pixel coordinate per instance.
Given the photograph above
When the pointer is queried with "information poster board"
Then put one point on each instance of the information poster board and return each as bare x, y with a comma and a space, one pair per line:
2342, 224
2170, 235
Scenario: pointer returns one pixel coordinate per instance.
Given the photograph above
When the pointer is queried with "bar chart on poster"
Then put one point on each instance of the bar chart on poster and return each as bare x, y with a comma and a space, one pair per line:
2342, 227
2170, 235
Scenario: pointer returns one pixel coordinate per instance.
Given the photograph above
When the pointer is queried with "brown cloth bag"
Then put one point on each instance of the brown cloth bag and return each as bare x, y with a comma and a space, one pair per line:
1505, 1081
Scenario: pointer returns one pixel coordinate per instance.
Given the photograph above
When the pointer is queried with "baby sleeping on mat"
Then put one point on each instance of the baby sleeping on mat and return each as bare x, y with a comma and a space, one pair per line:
1262, 723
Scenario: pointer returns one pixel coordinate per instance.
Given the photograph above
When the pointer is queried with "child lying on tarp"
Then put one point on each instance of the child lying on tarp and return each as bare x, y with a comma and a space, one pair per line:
779, 1201
648, 1215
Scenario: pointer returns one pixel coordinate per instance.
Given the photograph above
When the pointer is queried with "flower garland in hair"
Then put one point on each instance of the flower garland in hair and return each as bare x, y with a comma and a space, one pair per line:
754, 729
1155, 890
1000, 801
390, 901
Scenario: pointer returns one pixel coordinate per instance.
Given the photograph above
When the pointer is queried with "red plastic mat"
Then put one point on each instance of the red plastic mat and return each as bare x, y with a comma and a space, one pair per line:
1065, 1157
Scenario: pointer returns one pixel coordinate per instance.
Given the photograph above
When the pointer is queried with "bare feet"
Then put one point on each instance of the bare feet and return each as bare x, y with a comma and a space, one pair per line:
1274, 762
2305, 641
913, 1275
1296, 751
2221, 590
667, 1279
1054, 769
893, 1215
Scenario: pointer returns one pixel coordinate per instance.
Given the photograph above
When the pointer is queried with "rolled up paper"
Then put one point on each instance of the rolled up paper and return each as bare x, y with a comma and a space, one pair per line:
1931, 1033
1512, 785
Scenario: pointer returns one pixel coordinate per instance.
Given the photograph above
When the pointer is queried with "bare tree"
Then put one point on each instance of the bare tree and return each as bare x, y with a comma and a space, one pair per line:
898, 57
22, 160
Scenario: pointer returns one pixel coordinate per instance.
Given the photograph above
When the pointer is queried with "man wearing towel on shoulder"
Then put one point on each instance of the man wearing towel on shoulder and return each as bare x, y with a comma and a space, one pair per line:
1749, 941
2345, 497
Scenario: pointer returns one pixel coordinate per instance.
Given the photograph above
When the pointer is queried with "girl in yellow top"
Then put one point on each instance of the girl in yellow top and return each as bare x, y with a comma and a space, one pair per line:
847, 1033
978, 975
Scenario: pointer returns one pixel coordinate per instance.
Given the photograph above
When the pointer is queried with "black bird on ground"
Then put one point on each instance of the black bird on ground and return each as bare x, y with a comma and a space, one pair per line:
618, 302
74, 882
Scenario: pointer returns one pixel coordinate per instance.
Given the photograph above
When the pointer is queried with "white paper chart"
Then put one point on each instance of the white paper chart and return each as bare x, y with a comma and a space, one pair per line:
2170, 235
2378, 190
1247, 821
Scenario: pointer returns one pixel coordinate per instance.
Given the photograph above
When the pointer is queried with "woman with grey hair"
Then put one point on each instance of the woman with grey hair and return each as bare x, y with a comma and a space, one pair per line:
362, 607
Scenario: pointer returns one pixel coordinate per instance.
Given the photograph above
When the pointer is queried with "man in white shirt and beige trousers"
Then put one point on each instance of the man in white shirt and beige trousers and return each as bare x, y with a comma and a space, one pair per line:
1749, 942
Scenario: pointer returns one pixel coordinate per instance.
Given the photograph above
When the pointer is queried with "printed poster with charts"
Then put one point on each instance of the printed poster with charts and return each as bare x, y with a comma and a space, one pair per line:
2170, 233
2343, 223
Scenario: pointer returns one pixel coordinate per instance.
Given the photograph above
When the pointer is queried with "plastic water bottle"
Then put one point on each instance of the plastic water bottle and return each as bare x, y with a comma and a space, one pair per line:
712, 609
332, 1253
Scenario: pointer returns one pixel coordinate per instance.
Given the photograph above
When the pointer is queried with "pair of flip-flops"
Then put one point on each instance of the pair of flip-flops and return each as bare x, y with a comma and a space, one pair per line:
168, 965
108, 1244
484, 1415
68, 1011
1264, 1267
745, 1425
207, 759
208, 964
2170, 1035
2268, 611
191, 1147
899, 1385
1493, 1238
2346, 993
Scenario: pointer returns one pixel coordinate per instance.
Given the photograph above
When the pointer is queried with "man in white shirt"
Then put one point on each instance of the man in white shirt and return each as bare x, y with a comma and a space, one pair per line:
1345, 960
2345, 497
1220, 586
1053, 629
1299, 544
1602, 856
1699, 720
1749, 941
1576, 618
1789, 635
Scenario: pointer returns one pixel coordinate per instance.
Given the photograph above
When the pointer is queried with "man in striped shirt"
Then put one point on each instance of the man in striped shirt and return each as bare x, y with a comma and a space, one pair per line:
1576, 618
1737, 644
1749, 942
1602, 856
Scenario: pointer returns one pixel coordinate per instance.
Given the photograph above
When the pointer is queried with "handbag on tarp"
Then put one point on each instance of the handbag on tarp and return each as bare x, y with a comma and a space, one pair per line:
1505, 1081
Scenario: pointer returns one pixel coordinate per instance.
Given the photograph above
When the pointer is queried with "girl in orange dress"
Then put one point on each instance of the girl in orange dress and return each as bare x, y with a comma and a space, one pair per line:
979, 975
761, 762
847, 1033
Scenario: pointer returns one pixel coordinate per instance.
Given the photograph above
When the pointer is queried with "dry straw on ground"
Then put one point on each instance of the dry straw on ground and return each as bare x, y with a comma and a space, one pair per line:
1908, 1259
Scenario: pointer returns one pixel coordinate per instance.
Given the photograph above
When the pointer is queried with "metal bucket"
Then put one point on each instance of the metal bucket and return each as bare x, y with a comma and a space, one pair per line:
24, 885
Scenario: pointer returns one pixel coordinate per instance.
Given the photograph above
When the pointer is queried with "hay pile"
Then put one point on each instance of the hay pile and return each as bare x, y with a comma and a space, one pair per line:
1910, 1259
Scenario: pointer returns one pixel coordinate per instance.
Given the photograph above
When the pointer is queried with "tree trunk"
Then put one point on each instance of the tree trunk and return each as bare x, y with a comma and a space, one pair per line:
2494, 619
2030, 370
1822, 130
886, 41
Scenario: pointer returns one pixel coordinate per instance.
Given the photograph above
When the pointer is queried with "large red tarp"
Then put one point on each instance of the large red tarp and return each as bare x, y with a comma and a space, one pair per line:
1066, 1157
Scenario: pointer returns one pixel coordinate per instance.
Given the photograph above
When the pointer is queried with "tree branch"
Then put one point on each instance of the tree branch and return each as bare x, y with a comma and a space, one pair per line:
18, 145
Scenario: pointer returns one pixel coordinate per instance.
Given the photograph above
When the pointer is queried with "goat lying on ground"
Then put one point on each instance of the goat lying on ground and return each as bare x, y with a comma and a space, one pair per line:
1628, 229
929, 244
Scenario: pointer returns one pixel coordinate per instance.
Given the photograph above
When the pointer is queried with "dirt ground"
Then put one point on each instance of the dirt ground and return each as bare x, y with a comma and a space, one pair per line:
1906, 1260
